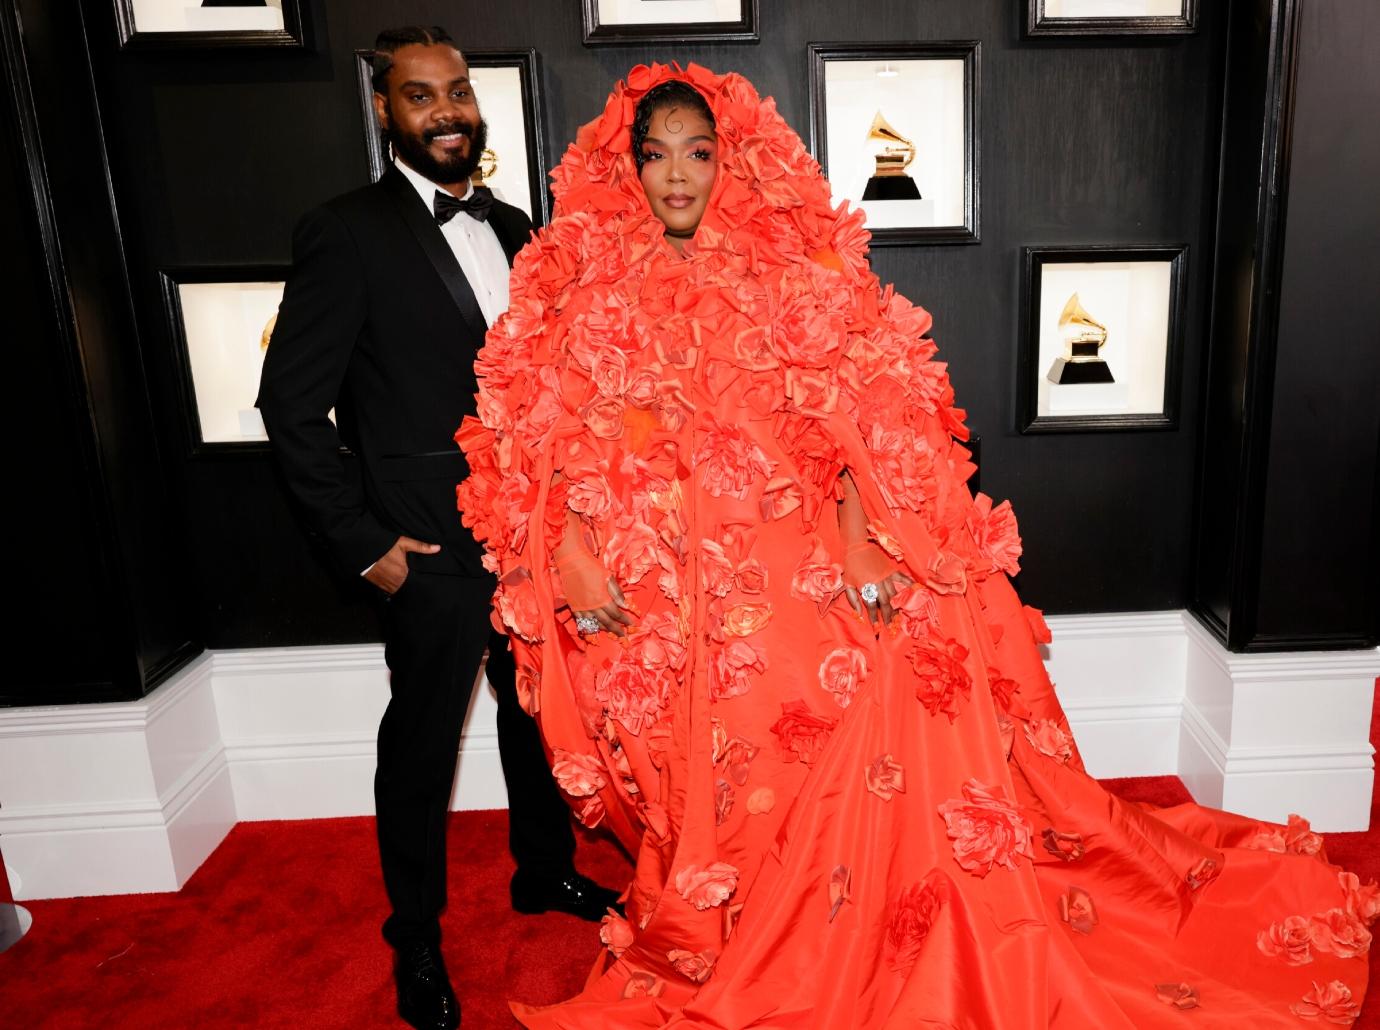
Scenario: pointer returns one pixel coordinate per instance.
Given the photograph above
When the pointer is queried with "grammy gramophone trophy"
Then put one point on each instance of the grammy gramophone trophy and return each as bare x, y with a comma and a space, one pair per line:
486, 169
891, 181
1083, 338
267, 334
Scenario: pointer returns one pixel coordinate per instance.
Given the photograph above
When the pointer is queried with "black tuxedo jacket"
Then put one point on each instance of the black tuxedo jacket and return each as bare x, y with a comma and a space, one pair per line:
378, 320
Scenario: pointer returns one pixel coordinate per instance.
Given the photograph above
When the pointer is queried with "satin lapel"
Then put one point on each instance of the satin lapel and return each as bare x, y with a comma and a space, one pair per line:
507, 237
423, 226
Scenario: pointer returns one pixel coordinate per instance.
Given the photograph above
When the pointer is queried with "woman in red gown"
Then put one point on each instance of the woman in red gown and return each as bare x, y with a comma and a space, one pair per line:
801, 689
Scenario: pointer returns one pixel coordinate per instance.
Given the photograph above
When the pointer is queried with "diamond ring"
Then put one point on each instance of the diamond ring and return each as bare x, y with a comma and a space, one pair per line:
868, 592
587, 624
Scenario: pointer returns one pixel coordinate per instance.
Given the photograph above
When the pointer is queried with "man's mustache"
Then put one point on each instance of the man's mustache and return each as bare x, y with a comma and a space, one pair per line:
460, 128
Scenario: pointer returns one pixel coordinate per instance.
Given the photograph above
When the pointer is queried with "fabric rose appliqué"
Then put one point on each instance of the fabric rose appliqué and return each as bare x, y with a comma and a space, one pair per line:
1077, 909
693, 965
1046, 737
707, 886
801, 732
731, 667
1331, 1002
817, 576
1287, 940
885, 777
994, 531
1066, 846
841, 672
728, 461
616, 933
986, 829
943, 680
631, 693
578, 775
644, 985
1362, 902
913, 913
1339, 933
1180, 995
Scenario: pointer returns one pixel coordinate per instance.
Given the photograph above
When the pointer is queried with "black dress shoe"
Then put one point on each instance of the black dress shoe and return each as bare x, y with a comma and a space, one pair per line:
425, 997
568, 892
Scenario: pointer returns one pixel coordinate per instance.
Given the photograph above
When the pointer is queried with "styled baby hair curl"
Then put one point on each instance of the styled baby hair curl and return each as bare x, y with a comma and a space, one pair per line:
671, 94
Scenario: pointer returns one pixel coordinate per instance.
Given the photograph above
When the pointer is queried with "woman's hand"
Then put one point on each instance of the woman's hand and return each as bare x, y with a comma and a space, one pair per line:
866, 563
590, 591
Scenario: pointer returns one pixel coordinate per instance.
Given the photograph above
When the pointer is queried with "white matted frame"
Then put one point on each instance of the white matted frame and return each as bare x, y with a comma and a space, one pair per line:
175, 24
926, 96
219, 321
507, 85
1135, 294
669, 21
1111, 17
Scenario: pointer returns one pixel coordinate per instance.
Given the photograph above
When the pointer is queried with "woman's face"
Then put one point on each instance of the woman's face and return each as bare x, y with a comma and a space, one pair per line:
681, 155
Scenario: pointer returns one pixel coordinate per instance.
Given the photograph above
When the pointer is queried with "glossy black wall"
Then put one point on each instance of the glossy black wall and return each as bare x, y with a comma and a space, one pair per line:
99, 607
1288, 543
1112, 141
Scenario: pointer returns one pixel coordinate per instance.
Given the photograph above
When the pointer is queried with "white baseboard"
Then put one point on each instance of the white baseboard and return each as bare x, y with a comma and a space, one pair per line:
1120, 680
126, 798
1270, 734
114, 798
300, 726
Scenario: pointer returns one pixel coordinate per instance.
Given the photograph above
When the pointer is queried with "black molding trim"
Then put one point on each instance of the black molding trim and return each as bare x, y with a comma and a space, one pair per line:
528, 63
970, 52
1040, 25
744, 30
1029, 421
63, 319
1269, 643
292, 36
1266, 283
171, 663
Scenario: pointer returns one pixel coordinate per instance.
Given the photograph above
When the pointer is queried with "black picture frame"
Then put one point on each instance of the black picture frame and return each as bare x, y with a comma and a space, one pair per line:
528, 63
292, 36
744, 30
970, 53
170, 280
1038, 23
1028, 365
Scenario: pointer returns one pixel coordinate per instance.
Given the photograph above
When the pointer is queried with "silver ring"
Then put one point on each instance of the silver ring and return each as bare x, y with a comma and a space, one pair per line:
587, 624
868, 592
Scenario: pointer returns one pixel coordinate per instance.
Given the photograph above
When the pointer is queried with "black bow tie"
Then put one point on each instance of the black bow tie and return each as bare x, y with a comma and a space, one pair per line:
445, 206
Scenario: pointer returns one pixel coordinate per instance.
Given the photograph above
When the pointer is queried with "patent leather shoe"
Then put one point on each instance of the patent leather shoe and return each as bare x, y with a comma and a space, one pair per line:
568, 892
425, 997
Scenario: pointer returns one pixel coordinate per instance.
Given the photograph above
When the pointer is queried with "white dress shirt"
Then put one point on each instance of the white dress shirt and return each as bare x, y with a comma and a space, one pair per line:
475, 246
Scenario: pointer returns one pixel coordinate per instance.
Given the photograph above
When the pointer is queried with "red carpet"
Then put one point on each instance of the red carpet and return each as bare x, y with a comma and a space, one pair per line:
280, 929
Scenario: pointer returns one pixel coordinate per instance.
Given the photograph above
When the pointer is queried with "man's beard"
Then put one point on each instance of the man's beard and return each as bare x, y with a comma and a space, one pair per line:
447, 171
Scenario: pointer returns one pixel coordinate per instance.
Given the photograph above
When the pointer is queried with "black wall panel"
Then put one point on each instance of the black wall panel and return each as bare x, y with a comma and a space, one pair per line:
1321, 530
1106, 141
1288, 538
95, 559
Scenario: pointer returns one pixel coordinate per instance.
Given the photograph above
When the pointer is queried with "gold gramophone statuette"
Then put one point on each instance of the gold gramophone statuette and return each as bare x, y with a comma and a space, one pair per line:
267, 334
890, 181
1083, 337
487, 168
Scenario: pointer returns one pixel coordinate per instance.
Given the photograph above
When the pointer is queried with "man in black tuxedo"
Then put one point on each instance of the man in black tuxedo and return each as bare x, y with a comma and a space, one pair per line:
392, 289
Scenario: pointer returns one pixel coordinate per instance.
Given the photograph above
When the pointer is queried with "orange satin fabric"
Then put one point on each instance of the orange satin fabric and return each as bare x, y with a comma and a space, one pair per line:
832, 828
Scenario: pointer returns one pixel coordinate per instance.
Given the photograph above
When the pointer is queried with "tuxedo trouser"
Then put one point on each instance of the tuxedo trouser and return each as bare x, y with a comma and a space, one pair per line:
435, 631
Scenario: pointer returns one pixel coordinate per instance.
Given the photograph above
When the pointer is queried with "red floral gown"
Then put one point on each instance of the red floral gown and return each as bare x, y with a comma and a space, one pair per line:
832, 828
